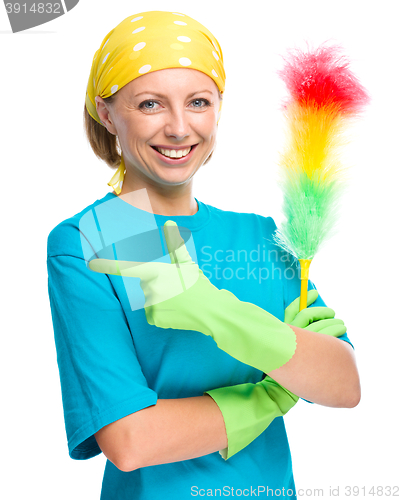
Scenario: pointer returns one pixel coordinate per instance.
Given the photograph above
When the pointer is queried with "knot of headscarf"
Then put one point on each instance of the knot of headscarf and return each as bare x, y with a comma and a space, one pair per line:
146, 42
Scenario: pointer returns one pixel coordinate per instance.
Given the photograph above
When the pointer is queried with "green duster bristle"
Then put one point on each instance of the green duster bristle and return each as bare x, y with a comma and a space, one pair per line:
311, 210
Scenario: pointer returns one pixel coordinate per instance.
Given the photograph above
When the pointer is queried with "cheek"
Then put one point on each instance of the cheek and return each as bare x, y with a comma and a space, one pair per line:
209, 125
128, 127
130, 132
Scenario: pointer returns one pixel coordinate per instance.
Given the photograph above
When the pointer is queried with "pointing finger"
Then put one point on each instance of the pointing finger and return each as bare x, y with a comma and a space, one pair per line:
175, 244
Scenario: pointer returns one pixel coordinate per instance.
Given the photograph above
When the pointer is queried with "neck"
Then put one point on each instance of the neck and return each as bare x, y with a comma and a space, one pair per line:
161, 200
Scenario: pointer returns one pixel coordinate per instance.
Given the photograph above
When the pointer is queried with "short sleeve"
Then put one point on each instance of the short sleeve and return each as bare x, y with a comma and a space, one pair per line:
100, 375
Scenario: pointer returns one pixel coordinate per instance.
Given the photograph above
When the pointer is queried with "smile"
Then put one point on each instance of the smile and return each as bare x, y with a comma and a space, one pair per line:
175, 156
174, 153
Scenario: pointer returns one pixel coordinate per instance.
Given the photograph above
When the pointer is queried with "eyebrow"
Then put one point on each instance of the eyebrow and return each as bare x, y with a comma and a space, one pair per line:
165, 97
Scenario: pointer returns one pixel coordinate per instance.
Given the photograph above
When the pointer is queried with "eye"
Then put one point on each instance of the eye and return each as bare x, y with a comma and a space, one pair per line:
198, 103
144, 105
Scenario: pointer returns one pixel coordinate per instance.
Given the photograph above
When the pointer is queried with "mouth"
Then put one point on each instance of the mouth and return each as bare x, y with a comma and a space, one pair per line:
175, 156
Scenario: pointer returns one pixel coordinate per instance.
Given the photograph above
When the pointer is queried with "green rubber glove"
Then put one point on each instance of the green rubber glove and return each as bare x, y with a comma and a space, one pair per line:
248, 409
316, 319
178, 295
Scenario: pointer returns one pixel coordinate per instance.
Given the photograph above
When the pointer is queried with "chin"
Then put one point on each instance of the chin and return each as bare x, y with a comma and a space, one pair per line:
174, 182
175, 178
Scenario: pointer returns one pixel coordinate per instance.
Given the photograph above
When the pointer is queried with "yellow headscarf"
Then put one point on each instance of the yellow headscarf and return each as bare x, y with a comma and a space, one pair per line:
146, 42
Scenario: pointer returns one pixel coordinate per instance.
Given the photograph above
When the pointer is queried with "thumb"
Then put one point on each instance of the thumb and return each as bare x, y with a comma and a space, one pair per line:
175, 244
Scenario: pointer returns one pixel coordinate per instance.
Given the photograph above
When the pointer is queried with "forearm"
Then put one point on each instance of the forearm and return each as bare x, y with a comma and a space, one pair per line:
170, 431
323, 370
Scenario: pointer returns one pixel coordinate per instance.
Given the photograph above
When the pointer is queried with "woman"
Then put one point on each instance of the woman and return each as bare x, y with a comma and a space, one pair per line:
162, 386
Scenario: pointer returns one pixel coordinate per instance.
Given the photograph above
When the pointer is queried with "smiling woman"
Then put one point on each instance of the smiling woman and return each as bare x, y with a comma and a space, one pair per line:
177, 378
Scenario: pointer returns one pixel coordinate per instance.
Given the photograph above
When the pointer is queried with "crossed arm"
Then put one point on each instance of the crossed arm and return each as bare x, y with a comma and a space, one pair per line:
323, 370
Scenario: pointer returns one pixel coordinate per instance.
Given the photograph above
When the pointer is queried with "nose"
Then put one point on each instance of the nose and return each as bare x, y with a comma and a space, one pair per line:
177, 124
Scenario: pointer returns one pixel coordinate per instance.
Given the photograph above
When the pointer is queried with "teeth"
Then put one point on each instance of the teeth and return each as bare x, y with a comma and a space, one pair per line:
172, 153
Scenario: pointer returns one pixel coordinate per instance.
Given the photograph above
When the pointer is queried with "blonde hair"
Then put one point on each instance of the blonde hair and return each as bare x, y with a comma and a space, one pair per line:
104, 145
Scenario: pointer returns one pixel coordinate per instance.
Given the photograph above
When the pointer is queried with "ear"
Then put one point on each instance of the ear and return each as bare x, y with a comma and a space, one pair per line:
104, 115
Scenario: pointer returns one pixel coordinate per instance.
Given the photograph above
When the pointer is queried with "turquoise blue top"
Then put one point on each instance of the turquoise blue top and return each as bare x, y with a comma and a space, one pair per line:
113, 363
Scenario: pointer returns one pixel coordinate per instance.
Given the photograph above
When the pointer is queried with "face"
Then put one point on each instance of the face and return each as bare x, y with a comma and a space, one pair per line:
173, 109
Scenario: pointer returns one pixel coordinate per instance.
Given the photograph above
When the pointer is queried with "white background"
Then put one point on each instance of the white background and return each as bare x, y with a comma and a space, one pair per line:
49, 173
